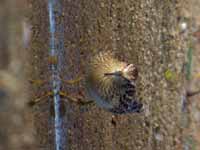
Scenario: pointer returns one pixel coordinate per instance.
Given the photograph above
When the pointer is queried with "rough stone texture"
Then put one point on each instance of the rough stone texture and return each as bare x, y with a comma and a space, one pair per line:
143, 32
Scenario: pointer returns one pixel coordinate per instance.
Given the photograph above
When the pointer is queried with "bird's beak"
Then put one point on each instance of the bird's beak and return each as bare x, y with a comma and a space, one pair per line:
117, 73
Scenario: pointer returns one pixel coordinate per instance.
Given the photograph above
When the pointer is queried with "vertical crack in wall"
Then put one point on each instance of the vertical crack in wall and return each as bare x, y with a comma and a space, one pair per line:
56, 51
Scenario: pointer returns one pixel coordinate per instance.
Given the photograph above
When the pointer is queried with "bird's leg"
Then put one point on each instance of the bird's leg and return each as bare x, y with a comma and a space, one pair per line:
72, 81
39, 98
38, 82
73, 98
78, 98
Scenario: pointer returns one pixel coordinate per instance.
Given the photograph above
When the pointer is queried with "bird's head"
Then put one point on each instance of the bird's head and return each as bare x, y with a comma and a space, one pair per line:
128, 72
111, 83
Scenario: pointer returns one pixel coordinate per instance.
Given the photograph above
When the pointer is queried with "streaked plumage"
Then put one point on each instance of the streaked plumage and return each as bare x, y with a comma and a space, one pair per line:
111, 83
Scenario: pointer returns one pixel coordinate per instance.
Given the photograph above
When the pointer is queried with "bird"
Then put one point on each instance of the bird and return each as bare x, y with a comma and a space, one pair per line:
110, 83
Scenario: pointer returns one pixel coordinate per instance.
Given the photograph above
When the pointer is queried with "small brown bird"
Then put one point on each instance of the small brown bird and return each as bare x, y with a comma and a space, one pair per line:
111, 83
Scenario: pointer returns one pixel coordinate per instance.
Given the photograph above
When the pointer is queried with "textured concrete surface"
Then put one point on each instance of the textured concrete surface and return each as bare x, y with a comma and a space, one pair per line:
148, 33
142, 32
